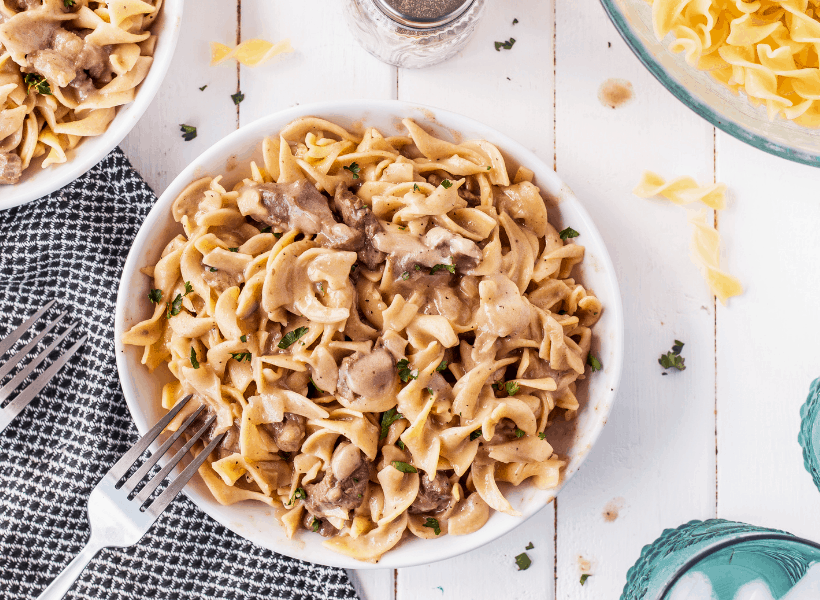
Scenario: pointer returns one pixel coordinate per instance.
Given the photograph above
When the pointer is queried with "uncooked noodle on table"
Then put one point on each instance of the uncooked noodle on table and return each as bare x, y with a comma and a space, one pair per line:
767, 49
384, 326
65, 67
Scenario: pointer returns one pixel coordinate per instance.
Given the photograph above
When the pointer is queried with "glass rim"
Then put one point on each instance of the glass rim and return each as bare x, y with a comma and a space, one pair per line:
747, 537
700, 108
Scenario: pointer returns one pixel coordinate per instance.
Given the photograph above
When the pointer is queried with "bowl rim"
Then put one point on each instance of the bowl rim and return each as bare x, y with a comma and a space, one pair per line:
61, 175
725, 124
224, 148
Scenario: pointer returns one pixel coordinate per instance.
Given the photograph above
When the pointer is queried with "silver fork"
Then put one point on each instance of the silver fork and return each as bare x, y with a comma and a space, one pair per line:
118, 516
22, 400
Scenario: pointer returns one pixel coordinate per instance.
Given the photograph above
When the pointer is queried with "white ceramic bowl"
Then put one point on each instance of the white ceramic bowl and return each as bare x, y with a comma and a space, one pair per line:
37, 182
254, 521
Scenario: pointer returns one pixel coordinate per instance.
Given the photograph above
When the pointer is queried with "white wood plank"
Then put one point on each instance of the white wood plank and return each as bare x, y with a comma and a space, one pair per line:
375, 584
656, 458
510, 90
490, 572
767, 339
328, 63
155, 146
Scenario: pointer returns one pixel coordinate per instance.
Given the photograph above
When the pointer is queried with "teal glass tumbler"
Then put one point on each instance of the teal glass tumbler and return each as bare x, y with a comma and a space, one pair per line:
725, 560
809, 436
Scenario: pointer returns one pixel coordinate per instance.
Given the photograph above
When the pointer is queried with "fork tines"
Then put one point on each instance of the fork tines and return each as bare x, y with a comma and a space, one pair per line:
25, 396
130, 459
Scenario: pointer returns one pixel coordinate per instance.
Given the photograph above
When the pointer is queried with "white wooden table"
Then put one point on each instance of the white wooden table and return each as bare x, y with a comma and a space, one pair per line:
718, 439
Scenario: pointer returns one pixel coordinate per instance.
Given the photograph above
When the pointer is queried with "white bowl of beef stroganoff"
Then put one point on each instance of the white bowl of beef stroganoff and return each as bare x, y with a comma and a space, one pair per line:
231, 158
69, 124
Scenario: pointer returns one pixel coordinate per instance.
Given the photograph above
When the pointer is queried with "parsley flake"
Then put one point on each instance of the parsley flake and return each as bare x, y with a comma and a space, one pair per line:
673, 359
584, 578
155, 296
400, 444
237, 98
194, 361
416, 187
449, 268
542, 435
69, 3
243, 338
298, 494
174, 307
441, 366
523, 561
290, 337
265, 229
404, 467
432, 524
240, 356
39, 83
213, 269
405, 275
315, 524
515, 21
277, 235
431, 391
529, 546
446, 184
318, 389
234, 249
567, 233
188, 132
353, 168
388, 418
519, 433
505, 45
188, 288
594, 363
512, 388
405, 373
475, 434
202, 89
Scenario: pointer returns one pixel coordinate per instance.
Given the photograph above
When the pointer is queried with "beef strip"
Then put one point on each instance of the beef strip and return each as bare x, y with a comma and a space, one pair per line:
219, 280
288, 433
11, 167
436, 247
434, 495
368, 375
70, 60
343, 485
467, 191
359, 217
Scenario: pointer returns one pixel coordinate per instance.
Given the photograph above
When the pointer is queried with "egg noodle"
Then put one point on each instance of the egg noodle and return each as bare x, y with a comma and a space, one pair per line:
64, 68
768, 49
385, 327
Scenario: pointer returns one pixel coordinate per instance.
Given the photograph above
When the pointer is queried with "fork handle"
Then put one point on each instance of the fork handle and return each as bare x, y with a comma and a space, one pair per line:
63, 582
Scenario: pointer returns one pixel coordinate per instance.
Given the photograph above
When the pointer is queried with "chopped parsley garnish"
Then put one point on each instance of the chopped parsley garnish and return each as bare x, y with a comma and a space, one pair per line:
430, 391
240, 356
69, 3
519, 433
405, 373
442, 366
234, 249
318, 389
202, 89
523, 561
292, 336
265, 229
405, 275
475, 434
506, 45
188, 132
243, 338
515, 21
450, 268
542, 435
353, 267
174, 307
432, 524
402, 228
321, 288
39, 83
237, 97
213, 269
299, 494
416, 187
400, 444
353, 168
188, 288
584, 578
529, 546
673, 359
388, 418
512, 388
594, 362
403, 467
567, 233
446, 184
277, 235
315, 524
194, 361
418, 267
155, 296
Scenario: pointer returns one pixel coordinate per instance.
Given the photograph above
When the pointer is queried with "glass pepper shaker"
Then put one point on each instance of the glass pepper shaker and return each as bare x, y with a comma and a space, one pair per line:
413, 33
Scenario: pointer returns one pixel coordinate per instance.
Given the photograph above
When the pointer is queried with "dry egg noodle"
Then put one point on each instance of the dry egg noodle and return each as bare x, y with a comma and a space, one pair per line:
64, 68
768, 49
384, 327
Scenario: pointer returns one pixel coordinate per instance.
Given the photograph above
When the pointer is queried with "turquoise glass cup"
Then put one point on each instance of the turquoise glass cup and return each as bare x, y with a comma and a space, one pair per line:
725, 560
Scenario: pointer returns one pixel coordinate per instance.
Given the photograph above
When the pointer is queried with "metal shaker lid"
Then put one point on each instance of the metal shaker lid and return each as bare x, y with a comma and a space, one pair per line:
423, 14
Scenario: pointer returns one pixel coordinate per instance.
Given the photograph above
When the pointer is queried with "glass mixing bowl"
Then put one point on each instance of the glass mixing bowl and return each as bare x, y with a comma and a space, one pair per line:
716, 103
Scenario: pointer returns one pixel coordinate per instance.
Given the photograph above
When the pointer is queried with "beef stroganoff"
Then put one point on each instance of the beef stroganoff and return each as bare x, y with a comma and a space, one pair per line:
65, 67
385, 327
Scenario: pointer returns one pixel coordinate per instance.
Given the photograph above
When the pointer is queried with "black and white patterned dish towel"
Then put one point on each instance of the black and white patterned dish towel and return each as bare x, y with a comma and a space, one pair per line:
72, 245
